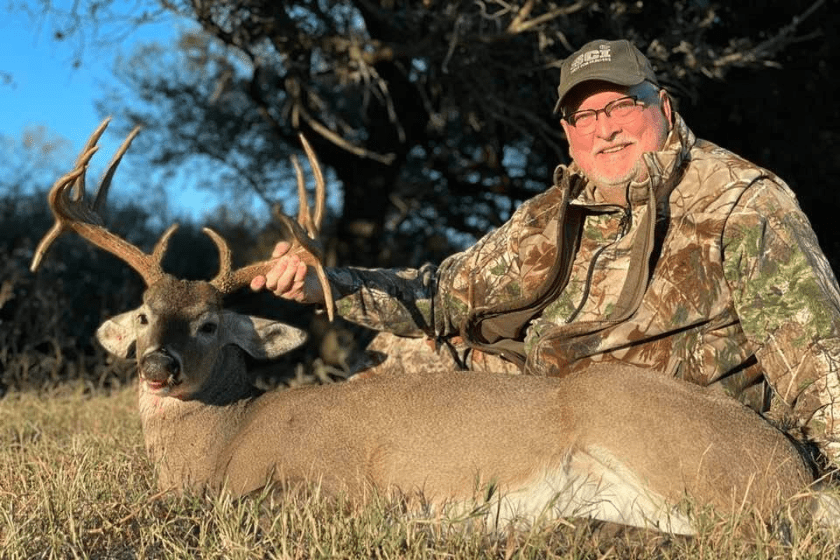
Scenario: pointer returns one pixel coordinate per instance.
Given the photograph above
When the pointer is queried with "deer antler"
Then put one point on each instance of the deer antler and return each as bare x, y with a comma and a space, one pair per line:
72, 212
303, 236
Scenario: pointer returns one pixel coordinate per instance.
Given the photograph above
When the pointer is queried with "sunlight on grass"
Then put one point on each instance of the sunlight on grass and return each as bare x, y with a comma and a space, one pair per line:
75, 482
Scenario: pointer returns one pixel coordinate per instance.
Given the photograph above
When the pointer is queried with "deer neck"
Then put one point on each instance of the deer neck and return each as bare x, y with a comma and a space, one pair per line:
184, 436
229, 383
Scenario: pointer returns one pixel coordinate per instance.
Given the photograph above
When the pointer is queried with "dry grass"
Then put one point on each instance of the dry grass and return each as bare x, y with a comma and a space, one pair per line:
75, 483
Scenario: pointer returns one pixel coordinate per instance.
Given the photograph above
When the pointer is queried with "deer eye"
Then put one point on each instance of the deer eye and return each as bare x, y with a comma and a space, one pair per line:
142, 319
208, 328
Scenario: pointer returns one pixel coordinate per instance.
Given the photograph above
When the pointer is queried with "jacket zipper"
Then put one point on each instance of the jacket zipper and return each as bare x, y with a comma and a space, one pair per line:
623, 226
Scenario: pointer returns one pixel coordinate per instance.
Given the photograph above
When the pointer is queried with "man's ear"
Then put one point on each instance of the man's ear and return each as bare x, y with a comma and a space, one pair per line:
565, 126
666, 107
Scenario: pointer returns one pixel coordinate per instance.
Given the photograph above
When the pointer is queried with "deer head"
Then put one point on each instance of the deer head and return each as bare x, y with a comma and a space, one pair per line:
182, 335
187, 345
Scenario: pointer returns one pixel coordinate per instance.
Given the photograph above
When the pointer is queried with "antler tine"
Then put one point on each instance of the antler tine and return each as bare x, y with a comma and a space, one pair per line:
108, 175
320, 185
85, 155
73, 180
224, 280
303, 235
227, 280
72, 212
59, 226
304, 215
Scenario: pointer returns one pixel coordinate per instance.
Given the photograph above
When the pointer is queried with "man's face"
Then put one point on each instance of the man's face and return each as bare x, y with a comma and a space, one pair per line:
611, 154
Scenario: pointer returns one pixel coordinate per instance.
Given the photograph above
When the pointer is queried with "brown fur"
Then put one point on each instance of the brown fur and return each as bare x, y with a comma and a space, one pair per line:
444, 434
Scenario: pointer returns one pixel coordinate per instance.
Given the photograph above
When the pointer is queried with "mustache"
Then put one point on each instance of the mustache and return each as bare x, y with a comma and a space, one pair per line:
618, 142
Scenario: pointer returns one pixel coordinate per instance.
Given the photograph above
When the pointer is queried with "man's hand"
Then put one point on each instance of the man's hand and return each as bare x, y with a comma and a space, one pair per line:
290, 278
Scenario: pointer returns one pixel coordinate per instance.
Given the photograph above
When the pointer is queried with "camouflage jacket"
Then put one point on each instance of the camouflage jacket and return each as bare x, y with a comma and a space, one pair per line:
711, 274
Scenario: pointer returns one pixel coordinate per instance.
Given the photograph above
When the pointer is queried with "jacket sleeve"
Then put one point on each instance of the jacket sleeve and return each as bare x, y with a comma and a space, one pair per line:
402, 301
430, 300
788, 302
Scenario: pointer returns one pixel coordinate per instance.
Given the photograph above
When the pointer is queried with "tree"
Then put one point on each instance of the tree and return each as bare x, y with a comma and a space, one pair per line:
435, 115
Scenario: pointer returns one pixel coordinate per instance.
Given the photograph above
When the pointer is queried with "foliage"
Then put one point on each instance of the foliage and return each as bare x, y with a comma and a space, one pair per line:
435, 116
76, 482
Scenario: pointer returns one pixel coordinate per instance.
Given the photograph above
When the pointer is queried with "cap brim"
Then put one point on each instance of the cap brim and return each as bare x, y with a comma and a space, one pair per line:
625, 80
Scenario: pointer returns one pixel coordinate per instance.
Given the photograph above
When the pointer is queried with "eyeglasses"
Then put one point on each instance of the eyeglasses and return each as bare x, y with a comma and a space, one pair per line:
621, 111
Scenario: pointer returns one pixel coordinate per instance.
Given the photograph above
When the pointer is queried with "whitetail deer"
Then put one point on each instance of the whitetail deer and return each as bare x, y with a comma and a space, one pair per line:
614, 443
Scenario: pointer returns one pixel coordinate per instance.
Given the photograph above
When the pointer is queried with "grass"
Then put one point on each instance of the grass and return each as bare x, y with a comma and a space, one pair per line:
75, 482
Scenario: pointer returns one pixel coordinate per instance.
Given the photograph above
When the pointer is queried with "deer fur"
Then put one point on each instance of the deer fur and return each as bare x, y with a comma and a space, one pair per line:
615, 442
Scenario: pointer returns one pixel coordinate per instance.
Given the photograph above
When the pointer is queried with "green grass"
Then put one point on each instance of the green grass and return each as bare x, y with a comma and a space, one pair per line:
75, 482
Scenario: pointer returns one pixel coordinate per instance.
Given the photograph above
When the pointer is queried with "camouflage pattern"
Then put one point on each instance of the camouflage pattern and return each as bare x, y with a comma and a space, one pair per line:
712, 274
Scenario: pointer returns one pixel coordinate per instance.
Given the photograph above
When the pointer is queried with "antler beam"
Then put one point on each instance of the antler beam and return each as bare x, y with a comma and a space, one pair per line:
73, 212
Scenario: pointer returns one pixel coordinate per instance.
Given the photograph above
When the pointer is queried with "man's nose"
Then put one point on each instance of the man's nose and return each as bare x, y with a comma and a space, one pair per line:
606, 127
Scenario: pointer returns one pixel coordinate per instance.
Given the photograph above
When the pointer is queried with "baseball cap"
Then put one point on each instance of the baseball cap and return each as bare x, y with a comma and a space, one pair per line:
618, 62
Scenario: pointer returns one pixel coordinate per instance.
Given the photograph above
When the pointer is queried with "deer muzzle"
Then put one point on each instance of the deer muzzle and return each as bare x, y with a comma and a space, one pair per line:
160, 369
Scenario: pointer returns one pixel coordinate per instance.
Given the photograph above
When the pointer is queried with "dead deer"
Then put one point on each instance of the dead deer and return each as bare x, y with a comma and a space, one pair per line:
615, 443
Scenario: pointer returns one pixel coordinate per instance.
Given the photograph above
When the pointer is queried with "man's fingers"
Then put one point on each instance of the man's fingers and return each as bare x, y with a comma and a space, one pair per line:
296, 292
269, 281
286, 276
280, 249
300, 273
258, 283
286, 279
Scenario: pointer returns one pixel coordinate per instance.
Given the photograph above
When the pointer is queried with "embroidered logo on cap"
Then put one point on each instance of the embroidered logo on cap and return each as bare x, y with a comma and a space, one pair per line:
591, 57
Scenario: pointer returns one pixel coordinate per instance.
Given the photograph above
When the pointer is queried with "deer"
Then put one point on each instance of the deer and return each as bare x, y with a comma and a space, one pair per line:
616, 443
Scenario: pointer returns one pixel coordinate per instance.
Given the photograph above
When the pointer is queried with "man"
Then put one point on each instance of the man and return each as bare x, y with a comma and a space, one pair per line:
652, 248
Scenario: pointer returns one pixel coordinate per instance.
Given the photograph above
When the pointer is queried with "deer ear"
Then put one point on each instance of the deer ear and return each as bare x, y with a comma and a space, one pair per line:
261, 338
116, 334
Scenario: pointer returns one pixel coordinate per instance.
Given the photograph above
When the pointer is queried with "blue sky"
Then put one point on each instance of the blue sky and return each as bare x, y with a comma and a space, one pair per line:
46, 90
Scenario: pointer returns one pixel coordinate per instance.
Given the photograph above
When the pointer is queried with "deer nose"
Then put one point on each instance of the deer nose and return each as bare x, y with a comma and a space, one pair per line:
159, 366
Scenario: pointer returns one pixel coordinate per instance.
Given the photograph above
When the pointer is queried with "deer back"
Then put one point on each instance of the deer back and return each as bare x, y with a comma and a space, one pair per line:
449, 435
